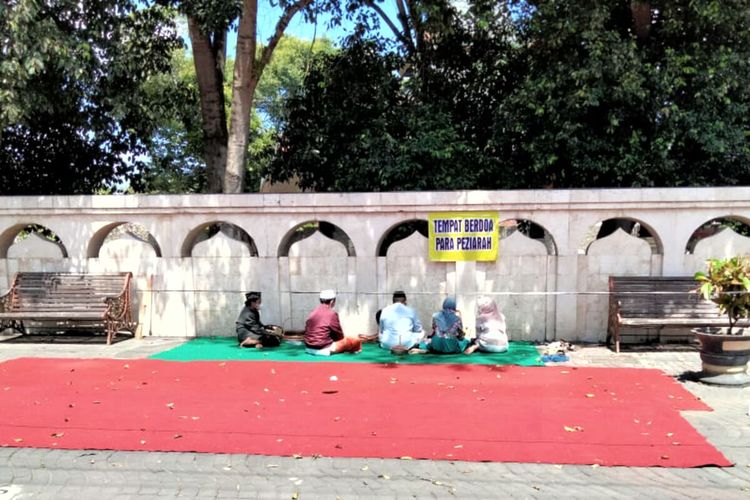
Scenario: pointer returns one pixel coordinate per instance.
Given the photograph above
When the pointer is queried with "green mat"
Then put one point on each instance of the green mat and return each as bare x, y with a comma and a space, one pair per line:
226, 349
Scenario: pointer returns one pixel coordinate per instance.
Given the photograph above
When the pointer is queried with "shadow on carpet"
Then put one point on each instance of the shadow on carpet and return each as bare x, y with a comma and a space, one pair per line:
226, 349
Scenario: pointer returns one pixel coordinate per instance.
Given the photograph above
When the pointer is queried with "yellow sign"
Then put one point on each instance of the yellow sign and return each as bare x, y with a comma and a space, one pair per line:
457, 236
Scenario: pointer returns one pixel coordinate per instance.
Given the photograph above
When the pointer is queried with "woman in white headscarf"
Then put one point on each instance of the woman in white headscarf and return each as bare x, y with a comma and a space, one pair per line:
490, 325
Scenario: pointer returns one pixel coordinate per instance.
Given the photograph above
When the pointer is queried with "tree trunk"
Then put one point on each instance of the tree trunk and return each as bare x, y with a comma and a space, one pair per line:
243, 89
641, 11
209, 71
248, 69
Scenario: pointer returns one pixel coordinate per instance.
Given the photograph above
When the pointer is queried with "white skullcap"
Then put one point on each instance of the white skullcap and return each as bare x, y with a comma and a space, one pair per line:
327, 294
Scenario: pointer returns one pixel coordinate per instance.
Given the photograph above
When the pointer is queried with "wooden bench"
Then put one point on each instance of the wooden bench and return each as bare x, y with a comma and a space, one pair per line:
652, 302
63, 301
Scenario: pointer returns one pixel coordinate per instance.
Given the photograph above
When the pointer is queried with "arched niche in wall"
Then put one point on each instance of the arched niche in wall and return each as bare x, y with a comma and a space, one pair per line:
720, 237
401, 231
31, 240
619, 232
525, 234
308, 229
218, 239
122, 239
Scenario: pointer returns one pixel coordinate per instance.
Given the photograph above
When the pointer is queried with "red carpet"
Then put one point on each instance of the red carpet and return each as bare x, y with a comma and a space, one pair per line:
449, 412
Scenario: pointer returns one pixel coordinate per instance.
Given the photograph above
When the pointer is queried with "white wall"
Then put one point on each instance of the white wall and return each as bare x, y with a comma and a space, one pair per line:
200, 290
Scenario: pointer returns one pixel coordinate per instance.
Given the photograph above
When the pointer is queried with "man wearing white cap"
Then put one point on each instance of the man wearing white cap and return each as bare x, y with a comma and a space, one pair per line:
323, 333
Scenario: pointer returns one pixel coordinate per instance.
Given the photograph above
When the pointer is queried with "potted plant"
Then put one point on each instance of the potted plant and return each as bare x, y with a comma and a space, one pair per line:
725, 351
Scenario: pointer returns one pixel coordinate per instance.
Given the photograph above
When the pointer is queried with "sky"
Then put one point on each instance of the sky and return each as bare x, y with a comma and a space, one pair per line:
268, 16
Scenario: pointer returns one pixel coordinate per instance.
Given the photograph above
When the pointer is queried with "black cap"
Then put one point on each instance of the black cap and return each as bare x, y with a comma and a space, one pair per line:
252, 296
399, 294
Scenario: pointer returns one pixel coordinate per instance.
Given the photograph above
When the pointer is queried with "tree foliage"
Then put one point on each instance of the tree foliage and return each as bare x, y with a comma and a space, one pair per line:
73, 111
529, 95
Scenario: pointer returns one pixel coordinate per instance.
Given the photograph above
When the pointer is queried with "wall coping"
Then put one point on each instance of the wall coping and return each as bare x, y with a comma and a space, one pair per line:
386, 202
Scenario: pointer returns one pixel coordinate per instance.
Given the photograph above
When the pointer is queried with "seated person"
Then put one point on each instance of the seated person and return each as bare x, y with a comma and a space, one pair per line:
447, 332
490, 325
399, 324
323, 333
250, 331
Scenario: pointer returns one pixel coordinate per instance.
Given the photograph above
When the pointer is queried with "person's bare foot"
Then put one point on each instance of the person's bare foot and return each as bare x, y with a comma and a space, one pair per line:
259, 346
471, 349
417, 350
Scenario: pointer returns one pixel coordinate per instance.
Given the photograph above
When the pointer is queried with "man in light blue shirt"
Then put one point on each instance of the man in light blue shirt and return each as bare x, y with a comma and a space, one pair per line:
399, 324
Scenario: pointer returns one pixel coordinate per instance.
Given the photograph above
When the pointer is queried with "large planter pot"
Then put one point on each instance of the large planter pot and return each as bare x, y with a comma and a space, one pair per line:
724, 357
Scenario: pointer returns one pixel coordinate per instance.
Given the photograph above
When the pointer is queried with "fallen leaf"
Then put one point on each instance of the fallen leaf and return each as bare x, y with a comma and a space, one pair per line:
177, 436
594, 466
279, 440
222, 364
271, 466
228, 467
57, 434
273, 371
537, 488
576, 428
384, 476
458, 446
665, 457
333, 378
405, 457
364, 467
295, 495
670, 434
297, 456
96, 402
590, 395
126, 366
170, 406
143, 441
18, 440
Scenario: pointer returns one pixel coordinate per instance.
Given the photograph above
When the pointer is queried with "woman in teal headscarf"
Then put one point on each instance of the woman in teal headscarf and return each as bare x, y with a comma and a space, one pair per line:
447, 330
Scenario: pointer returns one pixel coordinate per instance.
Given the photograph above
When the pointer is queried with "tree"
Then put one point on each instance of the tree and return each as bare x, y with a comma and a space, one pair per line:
538, 94
610, 100
175, 150
73, 112
365, 120
208, 22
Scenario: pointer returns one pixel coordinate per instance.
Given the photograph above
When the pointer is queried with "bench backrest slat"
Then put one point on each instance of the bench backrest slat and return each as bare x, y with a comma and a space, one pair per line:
49, 292
663, 297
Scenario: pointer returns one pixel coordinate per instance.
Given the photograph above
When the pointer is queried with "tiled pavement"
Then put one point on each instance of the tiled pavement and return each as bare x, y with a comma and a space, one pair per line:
60, 474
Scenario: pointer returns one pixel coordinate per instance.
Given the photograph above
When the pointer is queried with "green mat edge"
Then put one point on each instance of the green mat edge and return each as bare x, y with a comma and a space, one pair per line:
490, 359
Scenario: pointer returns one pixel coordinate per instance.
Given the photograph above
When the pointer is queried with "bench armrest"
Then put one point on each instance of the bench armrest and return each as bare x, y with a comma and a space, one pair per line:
5, 300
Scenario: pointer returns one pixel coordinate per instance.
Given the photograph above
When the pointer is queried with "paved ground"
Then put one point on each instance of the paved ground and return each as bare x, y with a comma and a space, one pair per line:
60, 474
